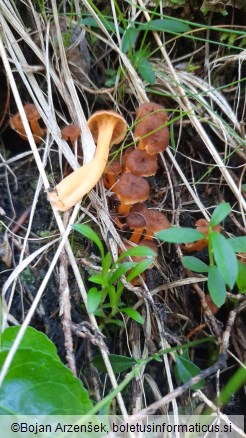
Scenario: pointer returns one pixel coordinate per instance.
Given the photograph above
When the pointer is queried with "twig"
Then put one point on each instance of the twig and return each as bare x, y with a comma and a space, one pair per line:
65, 311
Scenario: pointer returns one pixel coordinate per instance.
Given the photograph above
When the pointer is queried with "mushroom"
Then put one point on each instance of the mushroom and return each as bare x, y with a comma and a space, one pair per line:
111, 174
33, 117
140, 163
107, 127
155, 221
70, 133
203, 226
136, 221
130, 189
150, 129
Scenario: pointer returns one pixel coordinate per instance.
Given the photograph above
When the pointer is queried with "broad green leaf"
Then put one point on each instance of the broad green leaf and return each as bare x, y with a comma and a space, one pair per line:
185, 369
165, 25
144, 68
121, 270
137, 251
133, 314
180, 235
98, 279
119, 363
37, 340
225, 258
194, 264
219, 214
129, 39
94, 297
87, 231
238, 244
216, 286
241, 277
139, 268
37, 382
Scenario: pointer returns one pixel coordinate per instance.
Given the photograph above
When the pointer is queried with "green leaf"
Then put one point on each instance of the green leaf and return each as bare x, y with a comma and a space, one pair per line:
165, 25
98, 279
37, 383
119, 363
94, 297
180, 235
37, 340
216, 286
139, 268
219, 214
238, 244
121, 270
241, 277
144, 68
237, 380
137, 251
194, 264
107, 264
129, 39
225, 258
87, 231
133, 314
112, 297
184, 370
109, 25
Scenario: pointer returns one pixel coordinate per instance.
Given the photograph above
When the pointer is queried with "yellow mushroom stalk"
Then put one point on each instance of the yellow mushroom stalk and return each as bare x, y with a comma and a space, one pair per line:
107, 128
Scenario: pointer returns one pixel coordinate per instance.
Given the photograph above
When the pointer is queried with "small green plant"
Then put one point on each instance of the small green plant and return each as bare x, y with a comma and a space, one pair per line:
224, 268
104, 300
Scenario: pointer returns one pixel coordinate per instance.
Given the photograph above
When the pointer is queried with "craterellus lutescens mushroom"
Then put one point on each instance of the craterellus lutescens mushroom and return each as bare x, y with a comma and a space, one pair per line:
107, 128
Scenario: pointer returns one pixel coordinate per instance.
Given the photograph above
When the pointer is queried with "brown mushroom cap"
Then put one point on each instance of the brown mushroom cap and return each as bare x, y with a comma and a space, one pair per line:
33, 116
153, 136
156, 221
31, 111
101, 119
149, 108
203, 225
140, 163
70, 132
131, 189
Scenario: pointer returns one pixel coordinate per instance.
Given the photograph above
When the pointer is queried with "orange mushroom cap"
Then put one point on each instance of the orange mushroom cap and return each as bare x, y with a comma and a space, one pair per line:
140, 163
100, 119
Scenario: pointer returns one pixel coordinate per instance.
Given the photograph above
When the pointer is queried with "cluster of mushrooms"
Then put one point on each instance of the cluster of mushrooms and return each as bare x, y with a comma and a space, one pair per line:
128, 178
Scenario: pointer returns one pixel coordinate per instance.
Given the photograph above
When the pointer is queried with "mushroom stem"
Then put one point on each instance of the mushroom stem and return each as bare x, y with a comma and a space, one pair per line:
136, 235
124, 209
72, 188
